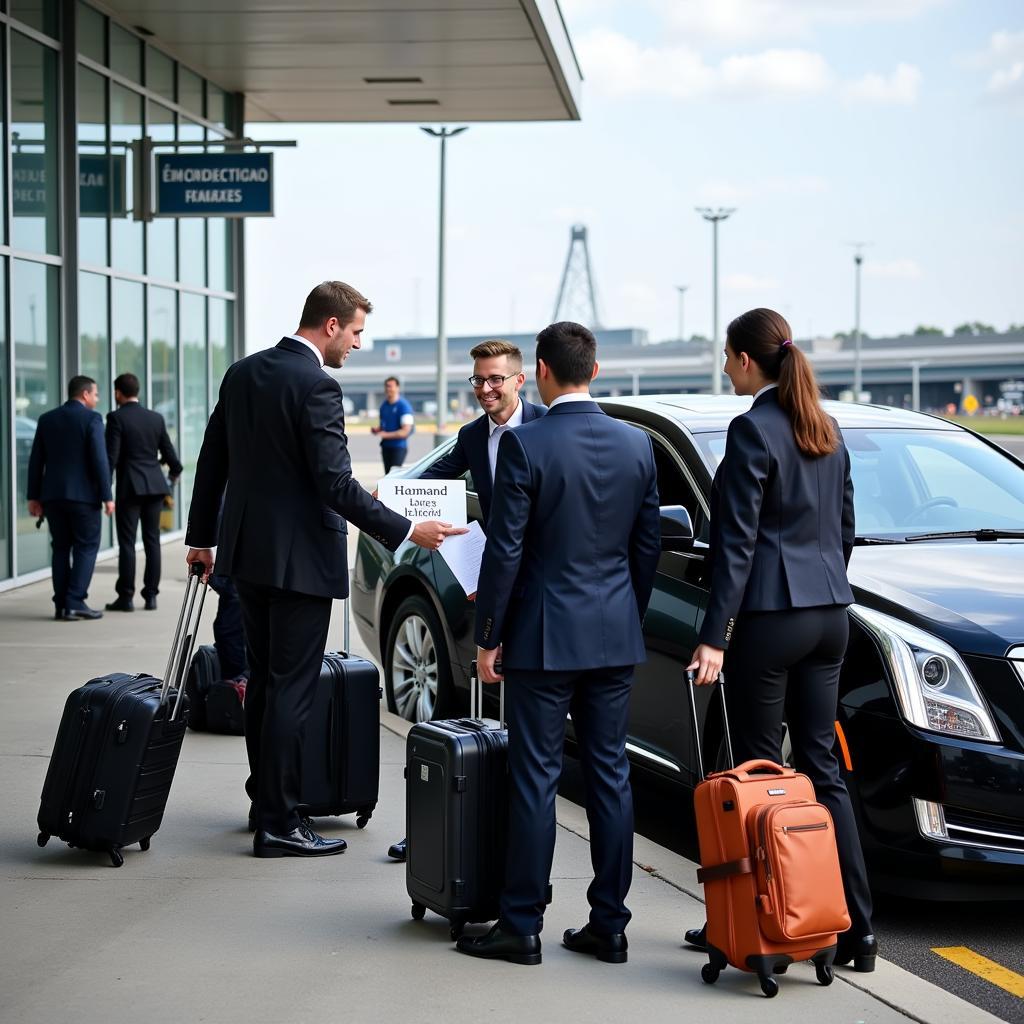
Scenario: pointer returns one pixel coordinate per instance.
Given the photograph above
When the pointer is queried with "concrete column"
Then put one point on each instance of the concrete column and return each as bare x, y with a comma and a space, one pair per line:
969, 389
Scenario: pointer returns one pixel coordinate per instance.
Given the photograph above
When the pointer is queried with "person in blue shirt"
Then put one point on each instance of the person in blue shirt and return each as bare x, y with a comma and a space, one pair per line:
396, 424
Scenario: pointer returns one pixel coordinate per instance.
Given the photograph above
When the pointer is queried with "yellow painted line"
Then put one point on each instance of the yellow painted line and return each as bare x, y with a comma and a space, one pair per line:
988, 970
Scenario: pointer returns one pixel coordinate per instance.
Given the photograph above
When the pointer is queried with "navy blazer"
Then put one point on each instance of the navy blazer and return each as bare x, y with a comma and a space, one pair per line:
276, 439
136, 436
573, 543
782, 527
69, 459
470, 452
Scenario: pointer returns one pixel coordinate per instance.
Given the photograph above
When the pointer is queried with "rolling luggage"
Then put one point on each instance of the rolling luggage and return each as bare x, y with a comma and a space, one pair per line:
214, 704
203, 672
117, 748
457, 815
770, 869
341, 745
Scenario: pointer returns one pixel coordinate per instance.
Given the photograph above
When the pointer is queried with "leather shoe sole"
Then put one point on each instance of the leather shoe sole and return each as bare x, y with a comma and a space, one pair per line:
331, 848
610, 949
502, 947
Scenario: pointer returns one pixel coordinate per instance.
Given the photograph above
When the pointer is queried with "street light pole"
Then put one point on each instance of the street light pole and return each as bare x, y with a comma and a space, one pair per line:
714, 216
442, 339
858, 259
681, 288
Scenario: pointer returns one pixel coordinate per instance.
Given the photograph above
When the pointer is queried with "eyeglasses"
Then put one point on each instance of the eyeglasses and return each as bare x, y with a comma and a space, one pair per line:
494, 381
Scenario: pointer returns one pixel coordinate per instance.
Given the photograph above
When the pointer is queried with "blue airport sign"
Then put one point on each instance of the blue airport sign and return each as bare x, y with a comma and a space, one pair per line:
214, 185
101, 184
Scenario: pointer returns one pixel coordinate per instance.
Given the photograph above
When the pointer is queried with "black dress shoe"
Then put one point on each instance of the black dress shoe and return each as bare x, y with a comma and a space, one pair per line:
499, 945
84, 613
397, 851
122, 604
302, 841
697, 937
862, 950
61, 615
150, 604
609, 948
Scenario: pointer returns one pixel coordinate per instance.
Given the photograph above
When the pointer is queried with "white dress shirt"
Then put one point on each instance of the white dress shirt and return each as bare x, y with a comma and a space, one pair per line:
572, 396
312, 348
494, 432
767, 387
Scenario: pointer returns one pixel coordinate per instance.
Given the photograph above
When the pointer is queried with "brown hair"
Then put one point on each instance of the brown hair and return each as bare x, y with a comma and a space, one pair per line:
767, 338
495, 347
333, 298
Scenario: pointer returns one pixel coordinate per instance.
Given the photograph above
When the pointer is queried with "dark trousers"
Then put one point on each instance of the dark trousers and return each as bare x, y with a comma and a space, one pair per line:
285, 636
393, 457
127, 514
75, 538
537, 703
784, 667
228, 630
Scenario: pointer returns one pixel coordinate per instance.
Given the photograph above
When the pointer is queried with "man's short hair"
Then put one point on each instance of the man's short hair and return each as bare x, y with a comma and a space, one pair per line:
333, 298
127, 384
497, 347
388, 380
78, 386
569, 350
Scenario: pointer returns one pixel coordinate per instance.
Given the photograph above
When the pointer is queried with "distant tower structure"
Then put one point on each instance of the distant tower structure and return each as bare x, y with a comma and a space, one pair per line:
577, 297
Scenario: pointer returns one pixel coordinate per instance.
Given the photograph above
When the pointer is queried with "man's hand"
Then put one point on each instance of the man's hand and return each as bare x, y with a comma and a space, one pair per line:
707, 663
376, 430
486, 666
430, 534
204, 556
35, 508
108, 507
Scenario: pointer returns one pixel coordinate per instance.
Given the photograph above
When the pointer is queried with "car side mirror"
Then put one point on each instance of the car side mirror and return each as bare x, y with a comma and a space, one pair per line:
676, 528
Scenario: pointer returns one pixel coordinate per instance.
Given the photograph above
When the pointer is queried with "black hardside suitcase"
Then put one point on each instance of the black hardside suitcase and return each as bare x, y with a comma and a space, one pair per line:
203, 672
341, 745
116, 751
457, 816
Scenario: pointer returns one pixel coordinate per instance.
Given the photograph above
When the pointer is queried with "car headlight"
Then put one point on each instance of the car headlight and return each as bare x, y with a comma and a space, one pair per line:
934, 688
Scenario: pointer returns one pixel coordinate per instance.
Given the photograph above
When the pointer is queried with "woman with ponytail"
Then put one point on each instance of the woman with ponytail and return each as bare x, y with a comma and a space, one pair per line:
782, 531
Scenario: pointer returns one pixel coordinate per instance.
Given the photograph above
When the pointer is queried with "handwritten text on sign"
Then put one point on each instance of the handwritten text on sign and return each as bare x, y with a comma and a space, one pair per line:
425, 499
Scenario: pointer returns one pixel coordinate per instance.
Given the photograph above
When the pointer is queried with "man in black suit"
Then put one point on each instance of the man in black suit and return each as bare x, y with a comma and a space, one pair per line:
567, 574
276, 441
137, 443
68, 481
497, 380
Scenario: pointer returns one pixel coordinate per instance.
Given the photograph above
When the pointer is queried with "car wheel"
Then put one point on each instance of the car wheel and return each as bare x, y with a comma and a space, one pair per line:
417, 669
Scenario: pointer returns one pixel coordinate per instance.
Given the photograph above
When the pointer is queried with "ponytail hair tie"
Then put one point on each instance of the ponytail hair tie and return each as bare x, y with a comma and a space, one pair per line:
785, 344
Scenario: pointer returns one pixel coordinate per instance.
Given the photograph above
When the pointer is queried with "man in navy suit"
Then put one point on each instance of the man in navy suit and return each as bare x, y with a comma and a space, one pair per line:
567, 573
497, 380
68, 481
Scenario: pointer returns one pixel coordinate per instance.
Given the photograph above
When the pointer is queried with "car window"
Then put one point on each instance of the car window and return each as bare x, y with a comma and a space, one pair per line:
675, 489
470, 486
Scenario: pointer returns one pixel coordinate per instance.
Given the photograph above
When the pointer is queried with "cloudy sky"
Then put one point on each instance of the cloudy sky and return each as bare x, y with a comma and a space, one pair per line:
895, 122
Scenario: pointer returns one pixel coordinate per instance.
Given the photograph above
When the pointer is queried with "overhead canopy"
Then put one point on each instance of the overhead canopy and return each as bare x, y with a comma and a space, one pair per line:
371, 60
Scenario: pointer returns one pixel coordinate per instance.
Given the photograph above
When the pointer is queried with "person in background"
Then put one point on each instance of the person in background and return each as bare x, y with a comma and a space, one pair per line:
396, 424
137, 444
68, 483
782, 532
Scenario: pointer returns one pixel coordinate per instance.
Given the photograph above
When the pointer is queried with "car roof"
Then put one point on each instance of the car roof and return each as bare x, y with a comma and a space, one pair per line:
712, 413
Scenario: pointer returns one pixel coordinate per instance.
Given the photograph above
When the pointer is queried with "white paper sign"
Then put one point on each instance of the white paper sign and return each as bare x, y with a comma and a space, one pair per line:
464, 553
425, 499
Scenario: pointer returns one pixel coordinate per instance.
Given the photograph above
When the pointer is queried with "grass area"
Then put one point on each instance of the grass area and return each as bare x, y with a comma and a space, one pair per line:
991, 424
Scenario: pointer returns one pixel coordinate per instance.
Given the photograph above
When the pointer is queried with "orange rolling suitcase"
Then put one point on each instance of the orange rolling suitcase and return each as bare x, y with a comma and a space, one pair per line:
770, 869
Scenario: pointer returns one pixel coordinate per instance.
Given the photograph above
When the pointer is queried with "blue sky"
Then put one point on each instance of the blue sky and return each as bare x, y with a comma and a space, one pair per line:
896, 122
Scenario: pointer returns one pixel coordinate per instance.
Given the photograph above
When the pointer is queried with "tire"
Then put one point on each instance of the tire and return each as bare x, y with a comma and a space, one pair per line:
709, 974
417, 669
418, 911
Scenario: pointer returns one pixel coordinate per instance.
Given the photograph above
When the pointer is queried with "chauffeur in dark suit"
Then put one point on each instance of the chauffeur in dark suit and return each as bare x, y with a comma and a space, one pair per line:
497, 380
276, 441
137, 443
571, 554
782, 531
68, 481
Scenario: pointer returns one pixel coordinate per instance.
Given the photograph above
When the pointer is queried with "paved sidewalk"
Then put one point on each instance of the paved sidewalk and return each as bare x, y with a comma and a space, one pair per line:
199, 930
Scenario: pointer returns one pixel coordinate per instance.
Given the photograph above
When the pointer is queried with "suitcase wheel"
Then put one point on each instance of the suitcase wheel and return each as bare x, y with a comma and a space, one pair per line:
116, 858
709, 974
824, 973
418, 911
456, 929
144, 843
362, 819
769, 986
42, 839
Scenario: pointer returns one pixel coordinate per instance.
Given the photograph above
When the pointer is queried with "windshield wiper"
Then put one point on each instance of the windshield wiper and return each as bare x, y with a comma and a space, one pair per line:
986, 533
861, 540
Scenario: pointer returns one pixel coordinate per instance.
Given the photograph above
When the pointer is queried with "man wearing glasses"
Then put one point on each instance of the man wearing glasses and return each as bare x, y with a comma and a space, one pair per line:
497, 380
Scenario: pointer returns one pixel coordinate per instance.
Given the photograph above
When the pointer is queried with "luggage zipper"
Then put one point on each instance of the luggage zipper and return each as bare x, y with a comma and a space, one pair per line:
817, 827
67, 808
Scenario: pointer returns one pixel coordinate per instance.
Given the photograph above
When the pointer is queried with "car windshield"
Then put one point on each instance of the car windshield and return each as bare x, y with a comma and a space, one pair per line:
908, 482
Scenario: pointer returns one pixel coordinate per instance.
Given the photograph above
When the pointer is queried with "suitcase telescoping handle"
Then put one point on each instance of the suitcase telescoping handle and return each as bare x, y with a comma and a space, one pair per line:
720, 687
476, 696
184, 641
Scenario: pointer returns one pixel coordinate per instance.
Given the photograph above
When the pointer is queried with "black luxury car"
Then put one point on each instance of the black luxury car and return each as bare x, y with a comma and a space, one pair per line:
931, 717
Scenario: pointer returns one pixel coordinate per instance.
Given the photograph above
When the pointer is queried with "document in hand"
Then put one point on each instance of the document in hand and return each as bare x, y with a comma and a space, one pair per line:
425, 499
464, 553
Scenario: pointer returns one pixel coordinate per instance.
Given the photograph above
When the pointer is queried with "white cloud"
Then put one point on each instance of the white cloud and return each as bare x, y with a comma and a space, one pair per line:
902, 86
894, 270
1007, 83
749, 283
775, 72
1003, 47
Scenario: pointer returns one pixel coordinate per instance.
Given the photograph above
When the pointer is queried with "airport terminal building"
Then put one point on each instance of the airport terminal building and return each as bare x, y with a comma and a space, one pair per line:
91, 283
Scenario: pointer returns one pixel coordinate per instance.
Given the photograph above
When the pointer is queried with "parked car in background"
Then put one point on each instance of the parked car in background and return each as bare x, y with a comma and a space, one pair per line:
930, 727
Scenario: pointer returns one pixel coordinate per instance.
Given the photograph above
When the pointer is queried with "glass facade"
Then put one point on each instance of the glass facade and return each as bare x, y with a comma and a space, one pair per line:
154, 298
